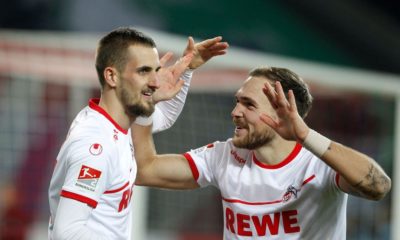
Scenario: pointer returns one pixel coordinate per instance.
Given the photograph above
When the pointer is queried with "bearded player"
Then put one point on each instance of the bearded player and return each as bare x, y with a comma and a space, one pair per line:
278, 178
91, 188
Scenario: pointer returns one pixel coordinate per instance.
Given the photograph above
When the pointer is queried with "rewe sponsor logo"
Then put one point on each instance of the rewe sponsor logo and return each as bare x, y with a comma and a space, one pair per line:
272, 224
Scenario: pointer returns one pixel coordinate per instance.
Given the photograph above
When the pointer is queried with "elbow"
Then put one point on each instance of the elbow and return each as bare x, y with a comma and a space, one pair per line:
382, 189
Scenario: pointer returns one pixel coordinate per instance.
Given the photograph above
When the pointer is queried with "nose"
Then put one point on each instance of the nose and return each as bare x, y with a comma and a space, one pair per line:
154, 82
237, 112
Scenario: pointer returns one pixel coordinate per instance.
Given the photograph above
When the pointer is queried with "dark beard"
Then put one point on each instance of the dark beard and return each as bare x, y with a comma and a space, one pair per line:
135, 109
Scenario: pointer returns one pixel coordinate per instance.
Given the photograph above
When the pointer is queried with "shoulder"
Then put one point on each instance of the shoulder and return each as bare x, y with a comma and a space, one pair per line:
87, 138
216, 146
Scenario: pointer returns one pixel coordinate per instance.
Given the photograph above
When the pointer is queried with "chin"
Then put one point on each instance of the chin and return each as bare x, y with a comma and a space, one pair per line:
144, 110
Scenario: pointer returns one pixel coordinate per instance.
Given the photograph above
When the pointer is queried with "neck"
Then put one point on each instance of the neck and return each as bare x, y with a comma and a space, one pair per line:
110, 103
274, 152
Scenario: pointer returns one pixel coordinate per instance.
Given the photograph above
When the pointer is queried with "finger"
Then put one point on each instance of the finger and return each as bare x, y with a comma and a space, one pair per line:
219, 46
164, 59
281, 98
178, 86
269, 91
218, 53
268, 120
209, 42
292, 101
190, 46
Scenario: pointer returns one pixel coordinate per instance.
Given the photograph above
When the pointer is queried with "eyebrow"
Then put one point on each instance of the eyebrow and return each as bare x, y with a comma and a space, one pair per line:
144, 68
247, 100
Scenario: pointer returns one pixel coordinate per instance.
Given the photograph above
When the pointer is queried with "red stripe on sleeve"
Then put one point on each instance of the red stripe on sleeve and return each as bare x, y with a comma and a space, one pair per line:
79, 198
337, 180
117, 190
192, 165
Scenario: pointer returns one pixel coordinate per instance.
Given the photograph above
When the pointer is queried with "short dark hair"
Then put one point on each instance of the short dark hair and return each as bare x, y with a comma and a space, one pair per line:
289, 81
112, 49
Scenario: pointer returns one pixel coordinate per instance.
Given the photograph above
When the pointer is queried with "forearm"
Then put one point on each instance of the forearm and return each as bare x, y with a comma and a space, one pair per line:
360, 174
70, 222
167, 112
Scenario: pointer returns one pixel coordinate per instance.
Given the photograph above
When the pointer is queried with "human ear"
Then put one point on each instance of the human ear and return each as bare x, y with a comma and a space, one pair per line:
111, 76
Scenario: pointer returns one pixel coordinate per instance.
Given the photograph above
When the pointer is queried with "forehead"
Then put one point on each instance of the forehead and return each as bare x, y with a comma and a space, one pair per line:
252, 87
141, 55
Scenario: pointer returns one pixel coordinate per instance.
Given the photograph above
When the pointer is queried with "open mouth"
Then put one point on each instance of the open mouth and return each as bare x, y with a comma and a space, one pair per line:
240, 129
147, 94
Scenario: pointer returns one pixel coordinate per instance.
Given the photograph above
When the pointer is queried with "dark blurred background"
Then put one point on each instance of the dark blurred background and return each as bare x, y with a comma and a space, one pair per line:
363, 34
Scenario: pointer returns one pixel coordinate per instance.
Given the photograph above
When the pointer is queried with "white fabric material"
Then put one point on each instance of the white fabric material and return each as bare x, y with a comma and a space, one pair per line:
96, 166
296, 199
72, 226
167, 112
316, 143
144, 121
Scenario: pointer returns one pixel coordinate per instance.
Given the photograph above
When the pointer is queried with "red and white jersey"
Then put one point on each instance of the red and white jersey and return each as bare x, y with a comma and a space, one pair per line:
96, 166
296, 199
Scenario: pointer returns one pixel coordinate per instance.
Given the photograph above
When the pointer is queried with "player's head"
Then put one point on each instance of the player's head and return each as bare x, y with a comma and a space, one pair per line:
127, 61
250, 131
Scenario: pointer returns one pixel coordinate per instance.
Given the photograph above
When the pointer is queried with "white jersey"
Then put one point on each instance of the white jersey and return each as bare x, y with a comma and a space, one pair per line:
96, 166
296, 199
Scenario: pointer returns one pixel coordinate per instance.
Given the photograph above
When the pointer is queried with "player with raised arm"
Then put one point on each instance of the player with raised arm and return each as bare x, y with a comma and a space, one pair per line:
91, 187
278, 178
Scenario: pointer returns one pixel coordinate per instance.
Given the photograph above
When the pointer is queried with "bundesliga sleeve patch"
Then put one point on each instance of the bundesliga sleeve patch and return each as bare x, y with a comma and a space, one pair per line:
88, 178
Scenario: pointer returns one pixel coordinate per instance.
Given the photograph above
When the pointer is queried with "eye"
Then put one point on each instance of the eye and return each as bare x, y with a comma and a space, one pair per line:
251, 107
143, 70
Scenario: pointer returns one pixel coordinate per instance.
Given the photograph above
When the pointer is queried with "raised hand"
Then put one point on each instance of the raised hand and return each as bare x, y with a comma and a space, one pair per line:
205, 50
169, 77
288, 123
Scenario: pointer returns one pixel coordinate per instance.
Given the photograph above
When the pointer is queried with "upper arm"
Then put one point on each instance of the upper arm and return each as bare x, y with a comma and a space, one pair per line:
168, 171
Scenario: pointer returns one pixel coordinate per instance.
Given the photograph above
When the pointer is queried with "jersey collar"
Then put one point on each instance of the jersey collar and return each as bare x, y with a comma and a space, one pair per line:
94, 104
286, 161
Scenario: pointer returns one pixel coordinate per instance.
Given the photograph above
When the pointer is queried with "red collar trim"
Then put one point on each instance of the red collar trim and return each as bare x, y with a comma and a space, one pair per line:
94, 104
287, 160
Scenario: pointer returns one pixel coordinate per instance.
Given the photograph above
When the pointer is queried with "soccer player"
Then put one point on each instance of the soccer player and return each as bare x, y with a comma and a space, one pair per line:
278, 178
91, 187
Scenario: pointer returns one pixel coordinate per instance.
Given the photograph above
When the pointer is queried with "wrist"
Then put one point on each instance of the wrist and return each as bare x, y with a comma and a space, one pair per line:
316, 143
188, 72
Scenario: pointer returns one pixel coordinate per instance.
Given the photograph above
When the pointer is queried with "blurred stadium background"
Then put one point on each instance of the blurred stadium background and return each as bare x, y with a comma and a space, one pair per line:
348, 51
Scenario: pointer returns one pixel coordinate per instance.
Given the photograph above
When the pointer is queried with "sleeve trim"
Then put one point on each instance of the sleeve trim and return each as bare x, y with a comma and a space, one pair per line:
92, 203
192, 165
337, 177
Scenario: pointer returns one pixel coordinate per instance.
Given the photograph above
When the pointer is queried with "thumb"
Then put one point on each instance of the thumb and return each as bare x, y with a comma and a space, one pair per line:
189, 46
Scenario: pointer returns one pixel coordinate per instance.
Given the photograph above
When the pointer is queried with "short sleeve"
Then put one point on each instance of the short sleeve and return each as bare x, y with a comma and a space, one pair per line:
204, 163
331, 177
87, 171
